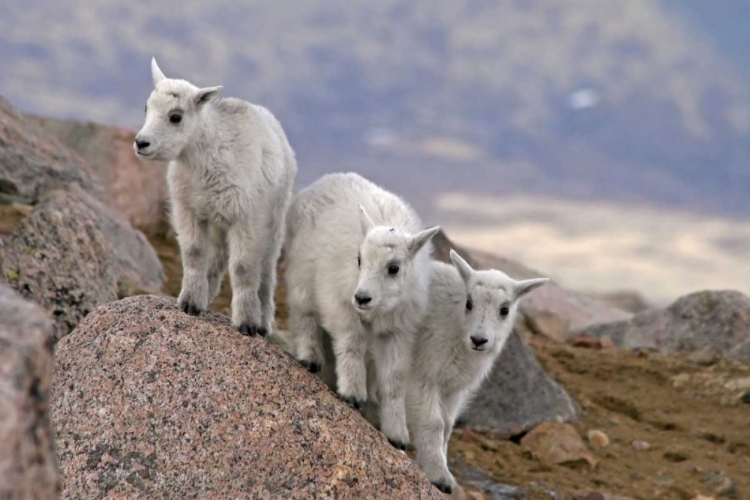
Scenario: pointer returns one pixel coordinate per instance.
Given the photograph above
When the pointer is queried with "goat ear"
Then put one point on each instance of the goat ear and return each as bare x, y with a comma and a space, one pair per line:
156, 73
207, 95
526, 286
365, 221
464, 269
421, 239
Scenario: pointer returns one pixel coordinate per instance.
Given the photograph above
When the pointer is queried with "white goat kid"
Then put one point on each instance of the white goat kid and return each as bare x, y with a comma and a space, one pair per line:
470, 316
364, 281
230, 176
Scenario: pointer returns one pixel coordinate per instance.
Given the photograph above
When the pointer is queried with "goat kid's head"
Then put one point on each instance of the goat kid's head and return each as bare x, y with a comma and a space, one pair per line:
173, 114
491, 305
388, 264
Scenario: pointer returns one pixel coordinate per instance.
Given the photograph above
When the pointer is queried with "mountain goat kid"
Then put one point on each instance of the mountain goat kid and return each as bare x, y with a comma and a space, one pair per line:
470, 316
362, 276
230, 176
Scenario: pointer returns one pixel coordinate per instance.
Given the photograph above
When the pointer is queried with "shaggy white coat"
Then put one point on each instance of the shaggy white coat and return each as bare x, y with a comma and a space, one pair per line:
230, 177
470, 316
346, 236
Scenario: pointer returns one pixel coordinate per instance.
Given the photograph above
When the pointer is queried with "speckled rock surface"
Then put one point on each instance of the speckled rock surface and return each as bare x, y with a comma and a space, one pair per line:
137, 189
149, 402
59, 258
138, 265
576, 309
715, 321
28, 465
32, 161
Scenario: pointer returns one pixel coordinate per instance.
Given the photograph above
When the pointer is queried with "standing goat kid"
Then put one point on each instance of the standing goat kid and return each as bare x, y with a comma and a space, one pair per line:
357, 267
230, 176
470, 316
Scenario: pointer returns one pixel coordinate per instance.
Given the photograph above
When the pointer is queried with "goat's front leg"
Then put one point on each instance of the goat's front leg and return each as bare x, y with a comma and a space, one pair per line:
392, 357
429, 432
192, 236
245, 262
350, 350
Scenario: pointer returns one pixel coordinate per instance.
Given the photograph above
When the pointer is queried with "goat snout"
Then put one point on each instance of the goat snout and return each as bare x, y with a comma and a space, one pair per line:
478, 342
141, 144
362, 298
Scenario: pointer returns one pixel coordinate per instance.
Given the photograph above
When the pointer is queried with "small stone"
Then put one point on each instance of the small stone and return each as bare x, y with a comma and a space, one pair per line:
680, 380
740, 384
606, 343
547, 324
598, 438
585, 340
676, 456
722, 484
641, 445
701, 497
703, 357
556, 443
662, 479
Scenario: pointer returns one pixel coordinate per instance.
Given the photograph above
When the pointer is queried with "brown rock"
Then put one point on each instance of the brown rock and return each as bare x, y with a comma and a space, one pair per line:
136, 189
28, 465
716, 321
547, 324
72, 253
32, 161
606, 343
598, 438
641, 445
585, 340
556, 443
152, 403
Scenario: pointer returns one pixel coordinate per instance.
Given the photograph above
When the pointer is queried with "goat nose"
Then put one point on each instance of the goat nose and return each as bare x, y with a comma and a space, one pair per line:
478, 342
142, 144
362, 298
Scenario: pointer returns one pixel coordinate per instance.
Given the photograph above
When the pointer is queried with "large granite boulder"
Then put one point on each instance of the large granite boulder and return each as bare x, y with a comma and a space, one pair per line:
72, 253
152, 403
716, 321
32, 161
137, 189
28, 465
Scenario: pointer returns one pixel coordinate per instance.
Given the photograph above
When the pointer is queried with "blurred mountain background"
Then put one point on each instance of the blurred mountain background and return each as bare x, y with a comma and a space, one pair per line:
604, 142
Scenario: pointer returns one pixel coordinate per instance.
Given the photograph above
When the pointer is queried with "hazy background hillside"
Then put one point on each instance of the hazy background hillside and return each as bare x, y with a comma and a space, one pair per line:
588, 108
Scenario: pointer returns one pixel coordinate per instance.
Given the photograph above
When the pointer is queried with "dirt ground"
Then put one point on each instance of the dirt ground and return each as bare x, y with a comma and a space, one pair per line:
696, 425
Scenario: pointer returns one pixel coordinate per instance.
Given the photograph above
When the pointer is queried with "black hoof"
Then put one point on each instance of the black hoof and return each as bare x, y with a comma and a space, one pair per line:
351, 400
397, 444
445, 488
190, 309
262, 331
311, 366
248, 330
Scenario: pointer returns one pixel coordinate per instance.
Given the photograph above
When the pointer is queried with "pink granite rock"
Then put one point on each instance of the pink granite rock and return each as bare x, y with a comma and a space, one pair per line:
28, 466
152, 403
135, 188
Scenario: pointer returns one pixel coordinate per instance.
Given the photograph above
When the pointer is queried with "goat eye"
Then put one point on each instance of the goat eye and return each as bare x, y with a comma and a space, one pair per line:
504, 311
393, 270
469, 304
359, 261
175, 118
